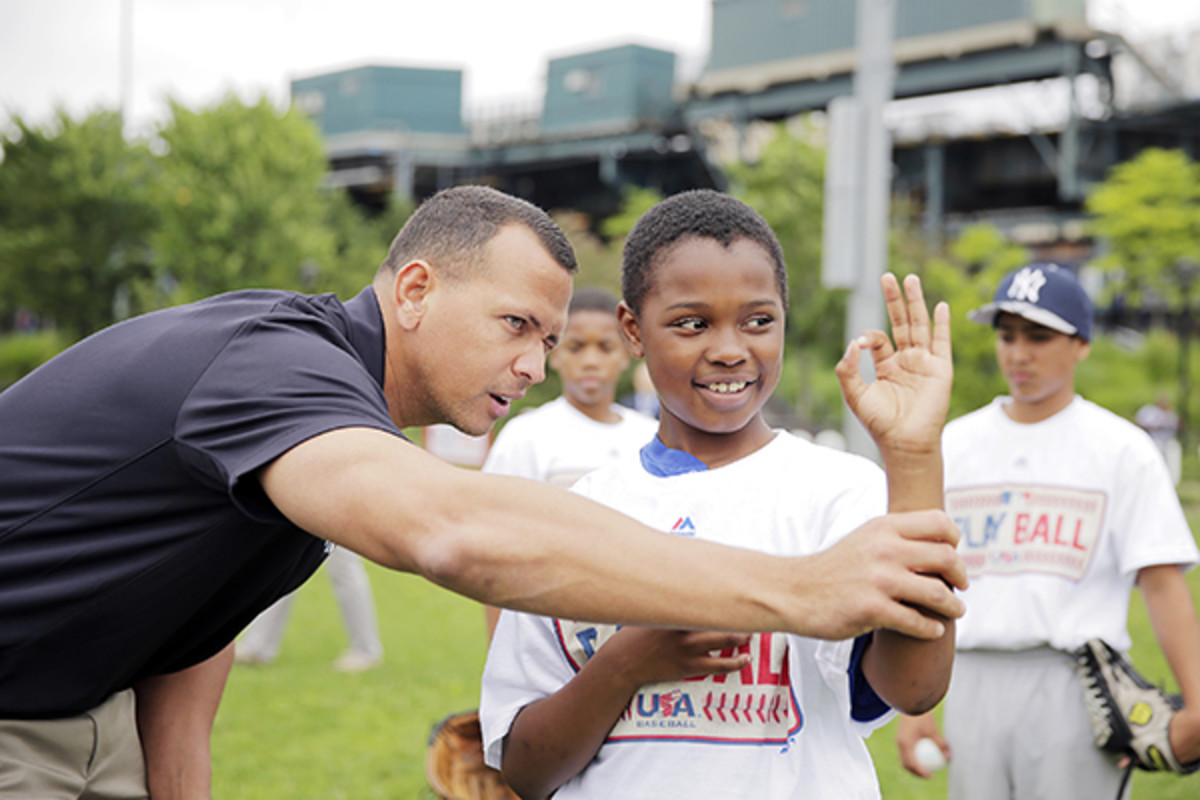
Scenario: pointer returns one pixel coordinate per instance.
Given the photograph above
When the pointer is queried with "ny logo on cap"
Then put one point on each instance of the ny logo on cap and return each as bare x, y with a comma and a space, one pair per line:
1027, 284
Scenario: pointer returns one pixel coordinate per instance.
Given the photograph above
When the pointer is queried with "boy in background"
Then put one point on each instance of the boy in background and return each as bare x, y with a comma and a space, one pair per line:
1063, 507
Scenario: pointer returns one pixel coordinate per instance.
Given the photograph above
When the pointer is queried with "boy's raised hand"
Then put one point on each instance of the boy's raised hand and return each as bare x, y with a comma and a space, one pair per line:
905, 407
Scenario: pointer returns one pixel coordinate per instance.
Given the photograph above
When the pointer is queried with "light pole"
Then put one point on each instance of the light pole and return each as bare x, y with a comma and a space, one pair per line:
858, 189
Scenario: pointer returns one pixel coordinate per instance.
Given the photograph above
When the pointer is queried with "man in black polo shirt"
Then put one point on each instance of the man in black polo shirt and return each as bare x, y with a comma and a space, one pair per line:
165, 480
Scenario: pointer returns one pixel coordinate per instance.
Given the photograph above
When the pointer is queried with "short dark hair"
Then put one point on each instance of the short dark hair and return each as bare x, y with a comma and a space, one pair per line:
451, 228
592, 298
701, 213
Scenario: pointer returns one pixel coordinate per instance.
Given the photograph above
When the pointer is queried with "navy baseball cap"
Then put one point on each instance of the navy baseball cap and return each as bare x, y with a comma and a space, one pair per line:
1043, 293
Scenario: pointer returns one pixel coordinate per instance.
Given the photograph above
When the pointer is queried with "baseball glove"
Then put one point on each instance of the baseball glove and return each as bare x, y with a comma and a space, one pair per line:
454, 762
1129, 715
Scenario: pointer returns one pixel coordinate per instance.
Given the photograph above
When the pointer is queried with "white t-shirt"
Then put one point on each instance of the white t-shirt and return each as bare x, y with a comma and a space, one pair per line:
1056, 519
780, 728
557, 444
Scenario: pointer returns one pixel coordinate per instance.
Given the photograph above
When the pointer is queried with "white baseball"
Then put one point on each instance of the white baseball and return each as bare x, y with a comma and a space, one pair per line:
929, 755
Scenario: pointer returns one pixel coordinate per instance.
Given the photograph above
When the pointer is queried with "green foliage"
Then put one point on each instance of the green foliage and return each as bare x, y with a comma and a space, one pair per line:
1148, 211
75, 214
21, 353
94, 228
240, 200
360, 245
1123, 374
636, 201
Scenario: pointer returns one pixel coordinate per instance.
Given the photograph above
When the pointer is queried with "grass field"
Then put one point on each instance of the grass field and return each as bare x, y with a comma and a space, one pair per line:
297, 729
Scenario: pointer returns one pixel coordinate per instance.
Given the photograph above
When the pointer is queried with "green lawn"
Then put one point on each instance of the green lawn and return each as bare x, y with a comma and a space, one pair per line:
297, 729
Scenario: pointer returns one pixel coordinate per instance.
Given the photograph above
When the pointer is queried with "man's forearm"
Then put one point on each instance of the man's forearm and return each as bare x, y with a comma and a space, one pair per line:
175, 715
532, 547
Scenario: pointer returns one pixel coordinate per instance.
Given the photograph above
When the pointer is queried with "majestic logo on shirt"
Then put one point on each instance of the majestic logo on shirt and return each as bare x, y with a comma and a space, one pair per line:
1016, 529
1027, 285
684, 527
755, 705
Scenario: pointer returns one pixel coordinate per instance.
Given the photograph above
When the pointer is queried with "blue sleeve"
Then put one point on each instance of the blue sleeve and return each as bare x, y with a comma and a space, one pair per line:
865, 705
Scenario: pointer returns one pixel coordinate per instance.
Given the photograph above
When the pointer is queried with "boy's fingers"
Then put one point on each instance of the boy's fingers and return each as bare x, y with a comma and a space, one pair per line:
898, 315
941, 345
918, 313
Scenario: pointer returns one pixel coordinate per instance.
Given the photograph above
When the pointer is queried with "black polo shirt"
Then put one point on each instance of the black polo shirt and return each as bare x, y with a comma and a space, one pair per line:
135, 538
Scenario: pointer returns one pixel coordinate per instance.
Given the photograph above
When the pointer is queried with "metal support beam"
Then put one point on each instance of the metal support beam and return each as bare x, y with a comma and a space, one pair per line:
935, 195
873, 82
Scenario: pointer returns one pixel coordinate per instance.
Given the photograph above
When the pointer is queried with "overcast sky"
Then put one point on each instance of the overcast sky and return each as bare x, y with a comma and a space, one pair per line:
68, 52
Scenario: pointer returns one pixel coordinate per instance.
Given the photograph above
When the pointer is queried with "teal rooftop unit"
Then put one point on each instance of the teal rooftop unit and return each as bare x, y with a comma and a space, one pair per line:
377, 98
761, 43
387, 130
618, 89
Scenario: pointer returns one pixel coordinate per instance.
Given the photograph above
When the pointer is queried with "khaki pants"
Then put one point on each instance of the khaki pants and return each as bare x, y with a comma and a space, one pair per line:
94, 756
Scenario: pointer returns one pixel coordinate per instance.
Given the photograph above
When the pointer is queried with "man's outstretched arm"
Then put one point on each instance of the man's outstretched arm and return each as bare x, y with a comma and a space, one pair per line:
532, 547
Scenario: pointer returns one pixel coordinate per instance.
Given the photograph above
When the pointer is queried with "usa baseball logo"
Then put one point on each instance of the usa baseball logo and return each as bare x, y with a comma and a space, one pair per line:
755, 705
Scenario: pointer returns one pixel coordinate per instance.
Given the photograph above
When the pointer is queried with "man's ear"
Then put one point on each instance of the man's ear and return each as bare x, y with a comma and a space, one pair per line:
1084, 350
630, 330
410, 288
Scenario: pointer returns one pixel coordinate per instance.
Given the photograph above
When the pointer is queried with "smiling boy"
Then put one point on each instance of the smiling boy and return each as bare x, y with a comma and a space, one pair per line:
583, 710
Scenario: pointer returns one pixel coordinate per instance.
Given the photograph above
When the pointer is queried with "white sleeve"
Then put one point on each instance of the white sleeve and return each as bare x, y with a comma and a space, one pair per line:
1147, 521
513, 454
853, 508
525, 663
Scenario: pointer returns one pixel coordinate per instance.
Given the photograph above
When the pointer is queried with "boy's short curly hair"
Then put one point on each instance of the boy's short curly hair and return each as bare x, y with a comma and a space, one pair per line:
700, 213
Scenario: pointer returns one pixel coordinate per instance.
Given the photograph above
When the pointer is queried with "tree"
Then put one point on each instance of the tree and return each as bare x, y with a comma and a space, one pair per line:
76, 210
241, 201
1148, 212
360, 244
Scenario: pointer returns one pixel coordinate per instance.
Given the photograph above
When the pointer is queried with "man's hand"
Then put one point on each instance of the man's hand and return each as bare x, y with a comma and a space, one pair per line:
905, 407
879, 574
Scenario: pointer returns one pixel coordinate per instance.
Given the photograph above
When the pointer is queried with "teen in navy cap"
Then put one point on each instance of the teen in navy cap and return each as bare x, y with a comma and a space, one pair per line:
1064, 507
1043, 293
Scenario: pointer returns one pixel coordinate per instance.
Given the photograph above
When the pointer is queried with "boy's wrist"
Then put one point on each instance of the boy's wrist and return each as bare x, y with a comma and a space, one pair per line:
911, 455
914, 480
